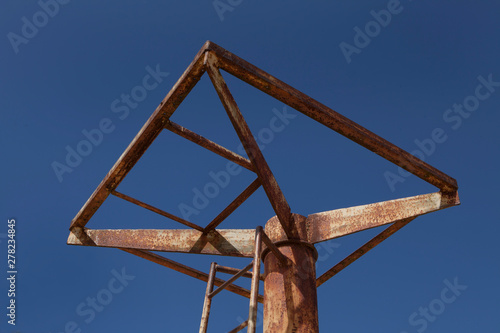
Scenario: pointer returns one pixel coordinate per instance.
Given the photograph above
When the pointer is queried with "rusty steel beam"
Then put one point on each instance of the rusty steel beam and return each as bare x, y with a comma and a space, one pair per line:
210, 145
156, 210
143, 139
336, 223
271, 187
362, 250
329, 118
225, 242
233, 205
189, 271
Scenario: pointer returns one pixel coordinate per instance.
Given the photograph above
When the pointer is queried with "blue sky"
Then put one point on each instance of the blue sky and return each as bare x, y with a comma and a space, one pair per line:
427, 66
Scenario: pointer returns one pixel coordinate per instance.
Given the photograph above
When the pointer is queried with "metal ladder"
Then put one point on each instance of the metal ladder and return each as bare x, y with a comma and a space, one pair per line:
260, 236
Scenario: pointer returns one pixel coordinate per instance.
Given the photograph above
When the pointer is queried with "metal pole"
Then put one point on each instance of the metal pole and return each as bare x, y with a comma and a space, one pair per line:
252, 315
208, 299
290, 296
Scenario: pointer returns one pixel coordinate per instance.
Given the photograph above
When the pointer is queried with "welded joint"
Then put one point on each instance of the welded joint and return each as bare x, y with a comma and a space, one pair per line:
210, 59
270, 246
449, 199
79, 236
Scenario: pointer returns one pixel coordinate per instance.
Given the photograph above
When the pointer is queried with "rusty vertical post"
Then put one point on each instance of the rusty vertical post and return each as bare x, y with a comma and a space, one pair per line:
290, 297
208, 299
252, 313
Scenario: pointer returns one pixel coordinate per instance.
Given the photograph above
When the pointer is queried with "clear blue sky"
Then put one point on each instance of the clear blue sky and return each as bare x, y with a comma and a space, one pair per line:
63, 74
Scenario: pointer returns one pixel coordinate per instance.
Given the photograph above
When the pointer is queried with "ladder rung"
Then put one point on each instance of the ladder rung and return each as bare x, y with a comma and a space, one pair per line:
232, 271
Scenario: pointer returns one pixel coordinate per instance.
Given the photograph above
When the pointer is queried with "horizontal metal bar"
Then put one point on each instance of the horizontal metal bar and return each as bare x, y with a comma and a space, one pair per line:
188, 271
328, 117
233, 205
156, 210
362, 250
225, 242
340, 222
270, 245
210, 145
232, 271
143, 139
231, 280
240, 327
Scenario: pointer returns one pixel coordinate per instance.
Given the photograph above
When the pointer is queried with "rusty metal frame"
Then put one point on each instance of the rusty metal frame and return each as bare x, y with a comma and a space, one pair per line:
362, 250
399, 212
212, 59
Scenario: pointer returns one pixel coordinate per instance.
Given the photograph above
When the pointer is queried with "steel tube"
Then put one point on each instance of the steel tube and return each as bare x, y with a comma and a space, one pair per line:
254, 291
290, 297
208, 299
